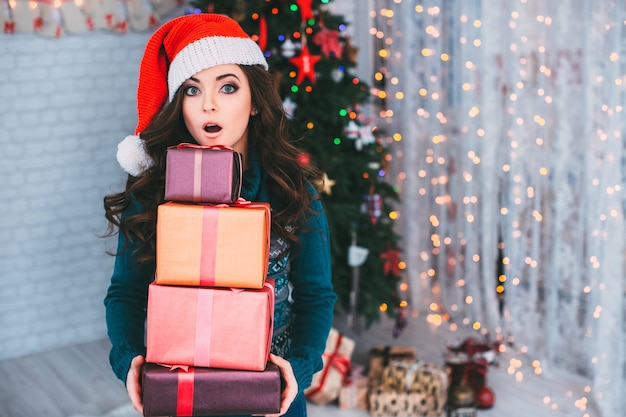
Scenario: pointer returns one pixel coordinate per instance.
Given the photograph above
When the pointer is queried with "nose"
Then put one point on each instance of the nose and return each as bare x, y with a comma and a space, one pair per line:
208, 103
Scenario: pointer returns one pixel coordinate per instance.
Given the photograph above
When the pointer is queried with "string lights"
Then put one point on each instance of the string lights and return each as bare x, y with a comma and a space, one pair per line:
507, 130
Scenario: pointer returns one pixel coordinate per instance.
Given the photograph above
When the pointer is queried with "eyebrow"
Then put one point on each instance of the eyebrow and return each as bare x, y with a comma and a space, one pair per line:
218, 78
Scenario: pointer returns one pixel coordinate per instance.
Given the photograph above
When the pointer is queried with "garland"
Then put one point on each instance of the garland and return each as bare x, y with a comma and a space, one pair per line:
55, 18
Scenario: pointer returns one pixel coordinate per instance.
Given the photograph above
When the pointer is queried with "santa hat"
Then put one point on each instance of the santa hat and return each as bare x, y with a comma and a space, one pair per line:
179, 49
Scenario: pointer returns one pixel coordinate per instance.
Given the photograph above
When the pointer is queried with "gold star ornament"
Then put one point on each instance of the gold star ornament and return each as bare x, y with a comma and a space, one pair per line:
327, 184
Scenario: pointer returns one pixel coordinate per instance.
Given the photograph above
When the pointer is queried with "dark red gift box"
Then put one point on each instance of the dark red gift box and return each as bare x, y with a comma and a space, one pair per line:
195, 391
202, 174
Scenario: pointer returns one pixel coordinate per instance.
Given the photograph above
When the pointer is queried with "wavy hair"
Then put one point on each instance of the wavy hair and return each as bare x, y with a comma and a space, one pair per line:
267, 136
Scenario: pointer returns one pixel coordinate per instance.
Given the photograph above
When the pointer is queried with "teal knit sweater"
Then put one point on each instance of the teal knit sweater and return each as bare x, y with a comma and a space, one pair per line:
304, 294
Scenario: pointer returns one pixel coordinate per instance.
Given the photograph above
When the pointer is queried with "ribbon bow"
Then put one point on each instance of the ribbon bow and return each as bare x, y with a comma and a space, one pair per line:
194, 146
340, 362
336, 360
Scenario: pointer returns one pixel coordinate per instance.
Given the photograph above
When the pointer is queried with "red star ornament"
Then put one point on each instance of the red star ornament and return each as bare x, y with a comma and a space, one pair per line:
305, 64
306, 12
392, 259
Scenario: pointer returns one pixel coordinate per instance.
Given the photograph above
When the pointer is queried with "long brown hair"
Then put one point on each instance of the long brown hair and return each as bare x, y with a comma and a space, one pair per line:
267, 136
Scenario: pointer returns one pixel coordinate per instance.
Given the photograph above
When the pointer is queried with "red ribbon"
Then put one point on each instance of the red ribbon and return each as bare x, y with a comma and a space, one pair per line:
242, 202
184, 403
38, 23
262, 33
306, 11
336, 360
9, 26
194, 146
473, 348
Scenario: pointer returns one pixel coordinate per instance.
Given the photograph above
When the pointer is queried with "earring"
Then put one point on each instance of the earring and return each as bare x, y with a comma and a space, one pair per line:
255, 112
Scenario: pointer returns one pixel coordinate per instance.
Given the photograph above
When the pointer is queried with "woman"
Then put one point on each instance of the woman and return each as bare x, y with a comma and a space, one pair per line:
203, 80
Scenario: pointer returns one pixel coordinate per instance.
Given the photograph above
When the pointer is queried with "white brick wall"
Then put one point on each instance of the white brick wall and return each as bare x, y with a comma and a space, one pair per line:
64, 105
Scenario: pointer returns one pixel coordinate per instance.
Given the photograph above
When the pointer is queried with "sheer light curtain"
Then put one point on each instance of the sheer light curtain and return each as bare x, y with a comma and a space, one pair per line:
509, 154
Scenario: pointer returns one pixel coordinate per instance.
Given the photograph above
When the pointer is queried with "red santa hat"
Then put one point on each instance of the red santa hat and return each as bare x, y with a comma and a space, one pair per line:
179, 49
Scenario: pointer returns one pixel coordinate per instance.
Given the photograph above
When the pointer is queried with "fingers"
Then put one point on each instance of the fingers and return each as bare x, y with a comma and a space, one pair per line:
291, 384
133, 383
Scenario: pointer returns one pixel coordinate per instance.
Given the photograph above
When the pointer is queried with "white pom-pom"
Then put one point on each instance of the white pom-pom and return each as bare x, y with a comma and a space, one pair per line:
132, 156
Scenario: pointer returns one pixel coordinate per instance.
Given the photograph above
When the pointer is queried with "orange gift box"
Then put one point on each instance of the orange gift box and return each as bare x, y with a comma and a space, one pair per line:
213, 246
210, 327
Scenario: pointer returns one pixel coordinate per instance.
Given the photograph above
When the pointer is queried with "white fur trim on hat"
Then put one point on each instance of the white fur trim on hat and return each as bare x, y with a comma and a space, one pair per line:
209, 52
132, 156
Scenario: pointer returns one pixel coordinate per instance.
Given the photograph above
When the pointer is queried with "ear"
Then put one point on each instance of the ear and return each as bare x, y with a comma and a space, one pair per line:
255, 111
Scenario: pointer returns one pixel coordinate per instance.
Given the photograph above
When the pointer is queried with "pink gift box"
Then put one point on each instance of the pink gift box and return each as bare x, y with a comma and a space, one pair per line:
202, 174
210, 327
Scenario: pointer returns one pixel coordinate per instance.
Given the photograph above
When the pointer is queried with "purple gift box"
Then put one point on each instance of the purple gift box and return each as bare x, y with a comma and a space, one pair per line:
202, 174
196, 391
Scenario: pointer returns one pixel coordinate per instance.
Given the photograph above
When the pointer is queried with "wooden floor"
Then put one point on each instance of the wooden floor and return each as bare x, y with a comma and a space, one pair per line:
77, 381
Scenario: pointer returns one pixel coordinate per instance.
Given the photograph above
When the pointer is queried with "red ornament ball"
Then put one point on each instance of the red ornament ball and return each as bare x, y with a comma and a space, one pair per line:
485, 397
304, 159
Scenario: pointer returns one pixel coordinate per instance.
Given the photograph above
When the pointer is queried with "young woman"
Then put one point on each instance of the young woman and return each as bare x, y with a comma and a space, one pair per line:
203, 80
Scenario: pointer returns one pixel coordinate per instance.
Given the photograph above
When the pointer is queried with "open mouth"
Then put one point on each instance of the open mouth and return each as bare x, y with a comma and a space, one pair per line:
212, 128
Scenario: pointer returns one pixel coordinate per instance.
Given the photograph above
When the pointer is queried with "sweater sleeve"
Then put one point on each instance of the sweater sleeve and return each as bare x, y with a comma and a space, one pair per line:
313, 298
125, 304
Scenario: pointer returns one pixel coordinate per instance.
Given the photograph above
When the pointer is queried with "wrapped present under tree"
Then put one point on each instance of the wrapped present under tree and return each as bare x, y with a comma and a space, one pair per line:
327, 383
381, 356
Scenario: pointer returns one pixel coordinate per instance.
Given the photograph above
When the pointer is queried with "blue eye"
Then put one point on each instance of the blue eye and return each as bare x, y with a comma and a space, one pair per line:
192, 90
229, 88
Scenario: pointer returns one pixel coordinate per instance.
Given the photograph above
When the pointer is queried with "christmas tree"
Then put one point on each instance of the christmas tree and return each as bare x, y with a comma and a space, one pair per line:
313, 62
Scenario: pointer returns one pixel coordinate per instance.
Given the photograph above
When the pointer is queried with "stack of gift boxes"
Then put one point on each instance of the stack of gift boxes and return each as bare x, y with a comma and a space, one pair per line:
210, 307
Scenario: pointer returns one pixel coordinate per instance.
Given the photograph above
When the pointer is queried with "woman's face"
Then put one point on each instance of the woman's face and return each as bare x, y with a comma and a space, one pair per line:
217, 105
